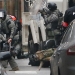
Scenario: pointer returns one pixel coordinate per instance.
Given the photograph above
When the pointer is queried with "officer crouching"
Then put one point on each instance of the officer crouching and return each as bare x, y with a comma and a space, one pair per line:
8, 28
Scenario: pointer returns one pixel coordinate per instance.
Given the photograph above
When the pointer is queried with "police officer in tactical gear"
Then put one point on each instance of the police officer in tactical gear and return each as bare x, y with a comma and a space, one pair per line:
51, 18
52, 22
8, 28
69, 15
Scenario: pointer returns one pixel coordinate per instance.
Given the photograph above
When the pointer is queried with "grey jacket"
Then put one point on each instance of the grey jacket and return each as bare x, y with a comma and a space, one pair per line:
52, 17
8, 27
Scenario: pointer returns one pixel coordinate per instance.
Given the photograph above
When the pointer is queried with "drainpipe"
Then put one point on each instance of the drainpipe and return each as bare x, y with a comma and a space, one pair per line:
5, 4
26, 5
16, 8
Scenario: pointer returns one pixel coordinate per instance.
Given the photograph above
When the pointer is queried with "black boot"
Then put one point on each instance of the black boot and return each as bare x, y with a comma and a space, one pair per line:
22, 56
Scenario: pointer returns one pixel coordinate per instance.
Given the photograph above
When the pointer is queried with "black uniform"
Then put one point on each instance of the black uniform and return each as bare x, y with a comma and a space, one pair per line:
69, 15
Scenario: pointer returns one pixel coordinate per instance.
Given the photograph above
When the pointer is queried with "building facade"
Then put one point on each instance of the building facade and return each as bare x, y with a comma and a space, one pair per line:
13, 7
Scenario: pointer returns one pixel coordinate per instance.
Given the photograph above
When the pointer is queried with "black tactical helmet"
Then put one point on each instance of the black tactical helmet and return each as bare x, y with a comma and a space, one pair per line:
4, 13
73, 2
52, 6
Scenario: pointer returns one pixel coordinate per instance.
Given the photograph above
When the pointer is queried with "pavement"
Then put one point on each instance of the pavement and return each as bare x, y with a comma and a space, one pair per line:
26, 69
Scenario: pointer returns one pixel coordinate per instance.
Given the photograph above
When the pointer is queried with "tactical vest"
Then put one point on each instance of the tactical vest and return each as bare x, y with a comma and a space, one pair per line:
60, 16
5, 26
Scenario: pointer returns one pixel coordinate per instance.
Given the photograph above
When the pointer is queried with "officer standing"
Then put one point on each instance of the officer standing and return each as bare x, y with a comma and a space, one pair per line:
52, 22
8, 28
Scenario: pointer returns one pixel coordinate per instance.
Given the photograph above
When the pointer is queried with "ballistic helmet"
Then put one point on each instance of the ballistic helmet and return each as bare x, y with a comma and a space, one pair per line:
52, 6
